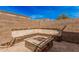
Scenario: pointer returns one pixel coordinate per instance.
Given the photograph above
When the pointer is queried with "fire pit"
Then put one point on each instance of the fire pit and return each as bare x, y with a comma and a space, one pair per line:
39, 43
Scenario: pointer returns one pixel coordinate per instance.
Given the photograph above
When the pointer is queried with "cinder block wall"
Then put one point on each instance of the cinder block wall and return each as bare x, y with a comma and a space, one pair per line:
5, 34
16, 21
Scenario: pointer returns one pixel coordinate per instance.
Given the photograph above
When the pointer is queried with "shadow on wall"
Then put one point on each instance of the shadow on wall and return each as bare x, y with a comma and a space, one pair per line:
70, 37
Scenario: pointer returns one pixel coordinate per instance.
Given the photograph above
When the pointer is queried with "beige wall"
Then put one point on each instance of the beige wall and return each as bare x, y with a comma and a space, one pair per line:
5, 34
16, 20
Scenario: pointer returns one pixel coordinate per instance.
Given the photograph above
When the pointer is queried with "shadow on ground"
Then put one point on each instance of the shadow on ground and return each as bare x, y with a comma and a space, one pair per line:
64, 47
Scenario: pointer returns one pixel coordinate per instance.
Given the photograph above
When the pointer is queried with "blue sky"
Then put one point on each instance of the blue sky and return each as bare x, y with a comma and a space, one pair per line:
39, 12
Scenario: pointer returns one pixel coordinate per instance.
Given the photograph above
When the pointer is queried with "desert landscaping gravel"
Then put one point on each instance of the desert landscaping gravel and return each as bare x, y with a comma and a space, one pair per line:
57, 47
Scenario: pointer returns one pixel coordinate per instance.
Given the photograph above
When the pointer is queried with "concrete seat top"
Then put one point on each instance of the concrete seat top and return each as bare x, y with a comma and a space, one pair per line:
19, 33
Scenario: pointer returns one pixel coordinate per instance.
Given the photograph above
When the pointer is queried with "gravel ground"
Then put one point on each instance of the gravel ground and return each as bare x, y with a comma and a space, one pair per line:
57, 47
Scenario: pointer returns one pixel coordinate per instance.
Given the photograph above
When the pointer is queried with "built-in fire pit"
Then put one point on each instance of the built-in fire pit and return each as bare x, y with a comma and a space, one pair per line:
39, 43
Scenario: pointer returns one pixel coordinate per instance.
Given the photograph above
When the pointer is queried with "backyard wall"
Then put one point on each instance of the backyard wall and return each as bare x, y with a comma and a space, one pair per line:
5, 34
